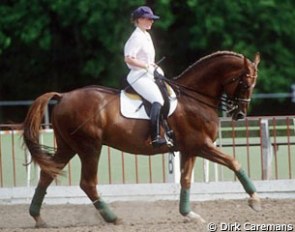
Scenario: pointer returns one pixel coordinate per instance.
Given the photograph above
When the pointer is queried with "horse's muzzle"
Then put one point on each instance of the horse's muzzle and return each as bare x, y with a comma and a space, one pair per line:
238, 115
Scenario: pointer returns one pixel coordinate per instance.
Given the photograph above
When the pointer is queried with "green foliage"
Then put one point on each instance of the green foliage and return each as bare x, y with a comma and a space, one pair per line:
65, 44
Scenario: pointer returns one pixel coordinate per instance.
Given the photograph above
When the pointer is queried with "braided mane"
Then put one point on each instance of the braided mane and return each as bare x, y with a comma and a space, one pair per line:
205, 58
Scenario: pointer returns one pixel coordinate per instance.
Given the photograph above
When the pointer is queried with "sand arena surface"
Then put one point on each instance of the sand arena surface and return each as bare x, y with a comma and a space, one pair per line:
148, 216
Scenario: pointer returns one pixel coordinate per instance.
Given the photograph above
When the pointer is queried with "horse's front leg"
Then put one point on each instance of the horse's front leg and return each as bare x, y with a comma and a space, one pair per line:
210, 152
254, 200
187, 166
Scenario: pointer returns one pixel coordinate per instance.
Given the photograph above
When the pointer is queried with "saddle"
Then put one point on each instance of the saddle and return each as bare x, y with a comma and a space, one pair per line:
134, 106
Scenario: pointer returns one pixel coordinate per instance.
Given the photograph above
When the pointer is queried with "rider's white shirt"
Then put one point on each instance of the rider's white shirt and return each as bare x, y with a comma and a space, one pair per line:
140, 46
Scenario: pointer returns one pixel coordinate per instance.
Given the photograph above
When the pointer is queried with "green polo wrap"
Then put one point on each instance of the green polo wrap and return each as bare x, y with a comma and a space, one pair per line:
37, 201
105, 211
246, 181
184, 204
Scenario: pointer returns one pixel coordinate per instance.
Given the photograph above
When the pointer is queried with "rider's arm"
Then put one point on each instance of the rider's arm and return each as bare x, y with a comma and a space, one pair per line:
135, 62
138, 63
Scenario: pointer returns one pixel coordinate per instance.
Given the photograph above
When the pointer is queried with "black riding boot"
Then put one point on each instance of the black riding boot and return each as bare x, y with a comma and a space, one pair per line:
157, 141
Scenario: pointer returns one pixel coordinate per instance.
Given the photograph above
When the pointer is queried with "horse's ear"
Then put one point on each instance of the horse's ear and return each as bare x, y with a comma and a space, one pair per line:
246, 64
257, 59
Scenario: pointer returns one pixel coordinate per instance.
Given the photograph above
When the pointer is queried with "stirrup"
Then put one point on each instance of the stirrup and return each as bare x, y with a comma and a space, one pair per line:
169, 140
158, 141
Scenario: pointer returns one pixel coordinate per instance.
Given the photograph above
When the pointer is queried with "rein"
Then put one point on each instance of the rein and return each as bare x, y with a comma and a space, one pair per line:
181, 89
230, 102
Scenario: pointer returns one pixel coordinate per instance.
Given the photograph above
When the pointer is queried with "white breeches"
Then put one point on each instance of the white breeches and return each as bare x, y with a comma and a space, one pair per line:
143, 82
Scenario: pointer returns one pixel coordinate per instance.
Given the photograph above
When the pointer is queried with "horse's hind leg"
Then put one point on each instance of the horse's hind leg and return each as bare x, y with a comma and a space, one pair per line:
61, 158
88, 185
210, 152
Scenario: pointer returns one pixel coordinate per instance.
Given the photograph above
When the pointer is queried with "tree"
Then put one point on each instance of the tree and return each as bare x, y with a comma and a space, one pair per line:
245, 26
60, 45
53, 45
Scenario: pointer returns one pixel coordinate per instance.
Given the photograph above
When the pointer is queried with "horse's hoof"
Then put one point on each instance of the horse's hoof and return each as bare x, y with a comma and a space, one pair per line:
118, 221
40, 223
192, 216
255, 204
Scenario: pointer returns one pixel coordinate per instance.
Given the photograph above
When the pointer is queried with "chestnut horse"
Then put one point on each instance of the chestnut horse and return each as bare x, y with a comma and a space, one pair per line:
85, 119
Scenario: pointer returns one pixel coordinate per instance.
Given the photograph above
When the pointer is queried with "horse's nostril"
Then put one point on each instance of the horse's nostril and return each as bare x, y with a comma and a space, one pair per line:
240, 115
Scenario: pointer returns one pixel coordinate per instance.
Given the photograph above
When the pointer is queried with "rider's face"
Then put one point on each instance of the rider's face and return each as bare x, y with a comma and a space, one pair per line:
145, 23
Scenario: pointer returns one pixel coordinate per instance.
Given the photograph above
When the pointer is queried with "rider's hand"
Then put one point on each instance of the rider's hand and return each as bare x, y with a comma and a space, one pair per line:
150, 69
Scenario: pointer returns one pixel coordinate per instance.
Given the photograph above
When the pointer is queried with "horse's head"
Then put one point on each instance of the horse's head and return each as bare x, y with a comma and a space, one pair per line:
239, 89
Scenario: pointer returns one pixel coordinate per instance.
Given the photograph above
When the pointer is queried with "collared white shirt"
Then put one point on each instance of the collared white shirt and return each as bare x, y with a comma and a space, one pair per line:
140, 46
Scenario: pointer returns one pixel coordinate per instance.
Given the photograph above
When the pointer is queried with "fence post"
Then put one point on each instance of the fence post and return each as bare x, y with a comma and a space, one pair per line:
206, 166
206, 170
28, 167
173, 168
46, 117
266, 150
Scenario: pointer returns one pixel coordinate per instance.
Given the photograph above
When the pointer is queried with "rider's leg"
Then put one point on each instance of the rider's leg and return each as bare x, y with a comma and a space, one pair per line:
143, 83
157, 141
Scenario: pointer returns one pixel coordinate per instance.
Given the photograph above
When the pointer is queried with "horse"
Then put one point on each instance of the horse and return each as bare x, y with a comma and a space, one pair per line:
85, 119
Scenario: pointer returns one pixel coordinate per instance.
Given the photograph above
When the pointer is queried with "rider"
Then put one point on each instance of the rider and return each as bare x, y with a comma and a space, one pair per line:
139, 55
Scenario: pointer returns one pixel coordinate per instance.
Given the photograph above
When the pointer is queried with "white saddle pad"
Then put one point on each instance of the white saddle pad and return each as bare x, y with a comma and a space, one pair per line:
131, 105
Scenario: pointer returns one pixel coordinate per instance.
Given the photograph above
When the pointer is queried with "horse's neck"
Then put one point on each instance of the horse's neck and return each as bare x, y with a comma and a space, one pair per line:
199, 78
208, 76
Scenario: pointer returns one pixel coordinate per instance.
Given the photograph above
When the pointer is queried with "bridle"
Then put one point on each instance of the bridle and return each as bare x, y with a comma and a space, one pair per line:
228, 103
233, 102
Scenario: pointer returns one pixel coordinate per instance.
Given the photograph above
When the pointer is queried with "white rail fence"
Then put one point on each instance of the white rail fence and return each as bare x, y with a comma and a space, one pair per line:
264, 146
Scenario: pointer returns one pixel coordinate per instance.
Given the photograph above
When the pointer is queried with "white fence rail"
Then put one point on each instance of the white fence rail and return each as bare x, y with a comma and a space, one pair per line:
264, 146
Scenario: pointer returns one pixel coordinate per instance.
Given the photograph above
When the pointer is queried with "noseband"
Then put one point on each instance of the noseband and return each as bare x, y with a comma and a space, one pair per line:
232, 102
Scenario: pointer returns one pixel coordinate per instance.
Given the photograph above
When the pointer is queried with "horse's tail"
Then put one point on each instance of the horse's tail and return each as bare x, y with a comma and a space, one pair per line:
31, 130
